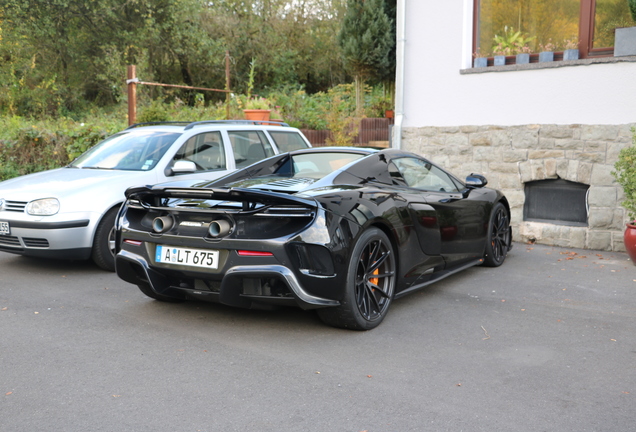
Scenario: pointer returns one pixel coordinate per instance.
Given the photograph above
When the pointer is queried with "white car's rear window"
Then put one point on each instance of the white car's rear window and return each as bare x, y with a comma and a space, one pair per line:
288, 141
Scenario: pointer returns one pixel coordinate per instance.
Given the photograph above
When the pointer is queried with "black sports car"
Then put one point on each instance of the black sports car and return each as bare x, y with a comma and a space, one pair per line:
340, 230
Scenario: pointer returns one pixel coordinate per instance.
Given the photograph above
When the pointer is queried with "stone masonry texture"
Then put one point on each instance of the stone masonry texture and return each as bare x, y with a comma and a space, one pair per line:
510, 156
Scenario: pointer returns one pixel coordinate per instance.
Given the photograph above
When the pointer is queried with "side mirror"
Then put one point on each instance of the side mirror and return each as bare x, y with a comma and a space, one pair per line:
476, 181
184, 167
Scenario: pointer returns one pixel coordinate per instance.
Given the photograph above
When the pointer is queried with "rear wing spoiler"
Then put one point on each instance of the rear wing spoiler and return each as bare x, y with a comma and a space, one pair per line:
243, 195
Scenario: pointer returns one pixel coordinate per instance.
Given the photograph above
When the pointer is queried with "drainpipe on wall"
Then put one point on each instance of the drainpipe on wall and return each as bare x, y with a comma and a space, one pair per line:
399, 73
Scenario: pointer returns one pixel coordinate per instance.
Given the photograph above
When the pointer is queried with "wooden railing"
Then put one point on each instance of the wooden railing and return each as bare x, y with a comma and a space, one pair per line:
373, 132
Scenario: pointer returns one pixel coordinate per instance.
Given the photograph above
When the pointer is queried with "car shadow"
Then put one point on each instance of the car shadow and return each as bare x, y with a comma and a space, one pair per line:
212, 316
52, 265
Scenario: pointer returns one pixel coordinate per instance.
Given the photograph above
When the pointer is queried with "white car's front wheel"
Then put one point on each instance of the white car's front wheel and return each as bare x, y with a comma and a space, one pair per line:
103, 253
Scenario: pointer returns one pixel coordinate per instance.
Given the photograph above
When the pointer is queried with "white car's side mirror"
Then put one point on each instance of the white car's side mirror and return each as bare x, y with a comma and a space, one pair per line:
184, 167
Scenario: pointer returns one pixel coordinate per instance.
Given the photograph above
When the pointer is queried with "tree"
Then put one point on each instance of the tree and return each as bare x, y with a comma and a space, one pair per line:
367, 39
61, 56
291, 45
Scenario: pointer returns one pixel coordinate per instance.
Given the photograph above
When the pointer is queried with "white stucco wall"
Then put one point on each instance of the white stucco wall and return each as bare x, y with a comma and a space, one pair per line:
437, 47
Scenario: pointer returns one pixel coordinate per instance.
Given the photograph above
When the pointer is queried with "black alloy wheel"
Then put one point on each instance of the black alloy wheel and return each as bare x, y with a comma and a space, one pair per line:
370, 284
499, 236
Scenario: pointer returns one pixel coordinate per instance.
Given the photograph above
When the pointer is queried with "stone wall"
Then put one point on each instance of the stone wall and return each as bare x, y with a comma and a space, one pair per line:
511, 156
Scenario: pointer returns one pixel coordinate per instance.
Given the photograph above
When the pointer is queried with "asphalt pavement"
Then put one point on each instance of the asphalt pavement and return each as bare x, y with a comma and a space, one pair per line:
547, 342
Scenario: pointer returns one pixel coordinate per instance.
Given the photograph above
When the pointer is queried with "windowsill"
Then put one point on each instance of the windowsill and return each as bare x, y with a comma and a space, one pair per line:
548, 65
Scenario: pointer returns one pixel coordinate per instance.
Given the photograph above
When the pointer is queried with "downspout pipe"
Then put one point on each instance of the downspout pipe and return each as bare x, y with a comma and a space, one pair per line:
399, 73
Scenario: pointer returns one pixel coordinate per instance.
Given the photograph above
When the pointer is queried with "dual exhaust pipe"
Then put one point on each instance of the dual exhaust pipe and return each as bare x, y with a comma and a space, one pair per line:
162, 224
217, 228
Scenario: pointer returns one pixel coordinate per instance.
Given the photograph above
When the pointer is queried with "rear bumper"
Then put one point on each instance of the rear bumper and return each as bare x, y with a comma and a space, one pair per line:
246, 286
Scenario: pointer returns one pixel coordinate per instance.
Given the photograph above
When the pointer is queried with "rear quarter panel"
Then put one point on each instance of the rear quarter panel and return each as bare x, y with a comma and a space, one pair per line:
356, 209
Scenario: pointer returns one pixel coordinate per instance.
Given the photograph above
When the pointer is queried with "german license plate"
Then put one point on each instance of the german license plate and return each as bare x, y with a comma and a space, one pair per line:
187, 256
5, 229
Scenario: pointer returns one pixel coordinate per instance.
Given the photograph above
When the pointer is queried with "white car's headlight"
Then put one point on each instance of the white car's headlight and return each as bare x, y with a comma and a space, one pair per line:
1, 204
43, 207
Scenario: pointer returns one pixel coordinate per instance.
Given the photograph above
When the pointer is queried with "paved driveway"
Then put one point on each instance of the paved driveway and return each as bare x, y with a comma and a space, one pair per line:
545, 343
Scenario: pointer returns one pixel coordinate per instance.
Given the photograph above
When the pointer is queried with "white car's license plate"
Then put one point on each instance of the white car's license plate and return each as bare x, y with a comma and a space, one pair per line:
5, 229
187, 256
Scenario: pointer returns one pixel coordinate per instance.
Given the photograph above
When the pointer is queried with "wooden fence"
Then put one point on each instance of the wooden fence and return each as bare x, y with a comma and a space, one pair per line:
373, 131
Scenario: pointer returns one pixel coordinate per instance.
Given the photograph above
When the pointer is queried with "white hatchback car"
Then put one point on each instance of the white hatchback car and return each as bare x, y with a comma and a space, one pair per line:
69, 212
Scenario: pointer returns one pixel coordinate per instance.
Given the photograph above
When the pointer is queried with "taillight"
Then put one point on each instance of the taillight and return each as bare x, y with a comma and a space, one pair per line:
254, 253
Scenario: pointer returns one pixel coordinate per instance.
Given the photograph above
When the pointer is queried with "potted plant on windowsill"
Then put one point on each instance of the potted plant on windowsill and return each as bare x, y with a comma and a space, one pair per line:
625, 174
481, 60
625, 38
546, 52
500, 52
511, 43
570, 49
523, 54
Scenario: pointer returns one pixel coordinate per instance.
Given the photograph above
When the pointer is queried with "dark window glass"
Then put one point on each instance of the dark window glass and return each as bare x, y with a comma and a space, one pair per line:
396, 176
288, 141
421, 174
205, 150
318, 165
249, 147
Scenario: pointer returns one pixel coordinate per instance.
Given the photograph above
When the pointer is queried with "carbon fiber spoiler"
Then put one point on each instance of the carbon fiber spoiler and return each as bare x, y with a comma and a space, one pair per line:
219, 194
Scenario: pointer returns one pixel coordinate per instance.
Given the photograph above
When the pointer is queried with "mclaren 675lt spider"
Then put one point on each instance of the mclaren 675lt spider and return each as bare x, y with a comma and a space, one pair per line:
344, 231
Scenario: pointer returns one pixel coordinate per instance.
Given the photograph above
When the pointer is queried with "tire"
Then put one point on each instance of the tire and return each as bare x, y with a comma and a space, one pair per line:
370, 284
499, 236
153, 295
103, 253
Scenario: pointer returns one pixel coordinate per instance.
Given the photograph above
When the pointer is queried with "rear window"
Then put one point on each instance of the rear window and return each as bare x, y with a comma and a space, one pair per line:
288, 141
318, 165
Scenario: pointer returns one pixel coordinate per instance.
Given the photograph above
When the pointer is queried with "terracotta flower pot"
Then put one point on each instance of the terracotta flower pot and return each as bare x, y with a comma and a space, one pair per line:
629, 237
257, 114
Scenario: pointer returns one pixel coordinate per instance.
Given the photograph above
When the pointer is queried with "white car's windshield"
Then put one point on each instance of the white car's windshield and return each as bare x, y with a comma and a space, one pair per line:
130, 150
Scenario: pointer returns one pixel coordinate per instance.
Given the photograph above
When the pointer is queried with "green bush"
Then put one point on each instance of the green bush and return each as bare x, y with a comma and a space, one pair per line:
28, 145
625, 174
32, 150
312, 111
155, 112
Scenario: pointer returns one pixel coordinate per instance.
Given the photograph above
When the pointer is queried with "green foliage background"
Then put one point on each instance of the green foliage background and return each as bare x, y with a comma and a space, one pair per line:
63, 68
367, 39
29, 145
60, 57
625, 174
